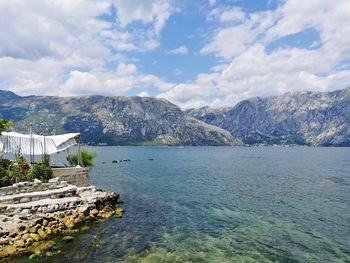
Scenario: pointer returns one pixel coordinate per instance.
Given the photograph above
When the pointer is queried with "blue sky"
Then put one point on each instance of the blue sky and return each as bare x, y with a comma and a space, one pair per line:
193, 53
188, 27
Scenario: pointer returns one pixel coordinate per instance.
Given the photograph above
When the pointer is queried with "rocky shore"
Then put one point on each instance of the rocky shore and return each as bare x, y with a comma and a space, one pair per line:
30, 213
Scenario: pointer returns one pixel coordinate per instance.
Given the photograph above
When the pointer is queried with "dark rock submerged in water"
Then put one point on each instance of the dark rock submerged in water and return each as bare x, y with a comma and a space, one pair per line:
311, 118
112, 120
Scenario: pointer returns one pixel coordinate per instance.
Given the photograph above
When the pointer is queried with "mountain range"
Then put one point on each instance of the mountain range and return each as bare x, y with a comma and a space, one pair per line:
303, 118
111, 120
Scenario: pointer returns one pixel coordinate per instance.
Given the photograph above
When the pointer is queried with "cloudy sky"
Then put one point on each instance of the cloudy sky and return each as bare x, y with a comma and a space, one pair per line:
194, 53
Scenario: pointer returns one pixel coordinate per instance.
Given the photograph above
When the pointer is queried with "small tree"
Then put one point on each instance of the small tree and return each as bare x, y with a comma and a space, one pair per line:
86, 158
4, 124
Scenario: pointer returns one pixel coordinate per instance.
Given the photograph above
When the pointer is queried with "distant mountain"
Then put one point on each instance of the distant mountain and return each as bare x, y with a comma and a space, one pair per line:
311, 118
305, 118
111, 120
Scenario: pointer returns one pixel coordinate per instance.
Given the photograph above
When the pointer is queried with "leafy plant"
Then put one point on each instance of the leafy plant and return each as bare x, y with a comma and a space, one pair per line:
40, 171
4, 124
16, 174
4, 177
86, 158
5, 163
46, 159
17, 170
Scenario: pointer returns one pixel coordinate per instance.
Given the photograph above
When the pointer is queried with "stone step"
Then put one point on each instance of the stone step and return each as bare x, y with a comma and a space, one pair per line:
27, 187
45, 205
66, 191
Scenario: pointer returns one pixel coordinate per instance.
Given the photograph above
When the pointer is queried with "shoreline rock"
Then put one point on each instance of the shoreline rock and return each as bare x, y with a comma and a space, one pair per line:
29, 216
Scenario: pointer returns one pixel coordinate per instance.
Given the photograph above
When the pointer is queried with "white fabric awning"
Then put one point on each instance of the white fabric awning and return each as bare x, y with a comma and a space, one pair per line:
12, 142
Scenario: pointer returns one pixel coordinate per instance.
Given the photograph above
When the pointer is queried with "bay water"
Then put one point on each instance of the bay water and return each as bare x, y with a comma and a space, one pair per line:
220, 204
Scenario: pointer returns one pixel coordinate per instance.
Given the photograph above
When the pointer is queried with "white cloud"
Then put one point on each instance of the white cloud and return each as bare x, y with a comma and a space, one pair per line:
154, 12
62, 47
228, 14
248, 70
143, 94
230, 41
181, 50
124, 78
34, 29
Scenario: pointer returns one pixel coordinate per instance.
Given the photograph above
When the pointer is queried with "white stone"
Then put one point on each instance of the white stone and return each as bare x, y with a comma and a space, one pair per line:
37, 181
25, 211
53, 180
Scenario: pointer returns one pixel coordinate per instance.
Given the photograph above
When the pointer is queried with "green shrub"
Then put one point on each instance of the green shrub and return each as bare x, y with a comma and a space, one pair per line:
4, 177
17, 174
40, 171
8, 174
18, 169
5, 163
86, 158
4, 124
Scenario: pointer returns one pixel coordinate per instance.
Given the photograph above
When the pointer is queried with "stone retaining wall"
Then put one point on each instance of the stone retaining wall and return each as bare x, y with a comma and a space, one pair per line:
72, 175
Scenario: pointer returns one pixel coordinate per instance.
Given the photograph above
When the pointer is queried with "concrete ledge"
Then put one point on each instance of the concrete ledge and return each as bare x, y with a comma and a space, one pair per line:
72, 175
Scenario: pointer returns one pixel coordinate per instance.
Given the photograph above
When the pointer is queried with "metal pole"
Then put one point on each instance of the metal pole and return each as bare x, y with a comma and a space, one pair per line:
44, 155
79, 151
31, 144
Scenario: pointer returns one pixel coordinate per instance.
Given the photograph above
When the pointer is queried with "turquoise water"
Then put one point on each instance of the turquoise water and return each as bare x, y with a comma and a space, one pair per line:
221, 204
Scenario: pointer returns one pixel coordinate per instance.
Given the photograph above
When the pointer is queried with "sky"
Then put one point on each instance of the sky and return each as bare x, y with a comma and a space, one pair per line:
193, 53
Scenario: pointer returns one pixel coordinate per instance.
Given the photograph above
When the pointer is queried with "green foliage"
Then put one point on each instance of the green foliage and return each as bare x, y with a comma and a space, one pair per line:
46, 160
18, 170
4, 177
5, 166
4, 163
40, 171
17, 174
20, 159
86, 158
4, 124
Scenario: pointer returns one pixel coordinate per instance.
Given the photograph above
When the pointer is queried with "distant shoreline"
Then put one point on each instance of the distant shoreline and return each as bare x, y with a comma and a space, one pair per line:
247, 145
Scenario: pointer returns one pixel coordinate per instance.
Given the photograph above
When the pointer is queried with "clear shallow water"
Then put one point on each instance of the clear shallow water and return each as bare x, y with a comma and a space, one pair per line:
221, 204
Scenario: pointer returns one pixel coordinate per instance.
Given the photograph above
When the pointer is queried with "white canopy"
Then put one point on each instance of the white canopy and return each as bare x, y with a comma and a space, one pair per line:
11, 142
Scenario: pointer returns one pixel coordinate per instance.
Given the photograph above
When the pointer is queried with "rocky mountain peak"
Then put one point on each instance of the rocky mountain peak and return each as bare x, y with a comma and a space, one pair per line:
112, 120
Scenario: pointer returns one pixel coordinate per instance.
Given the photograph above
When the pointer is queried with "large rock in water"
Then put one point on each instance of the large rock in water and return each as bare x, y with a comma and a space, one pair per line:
313, 118
111, 120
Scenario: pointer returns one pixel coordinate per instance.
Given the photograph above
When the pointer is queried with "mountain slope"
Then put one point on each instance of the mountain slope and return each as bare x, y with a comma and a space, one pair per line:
111, 120
312, 118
